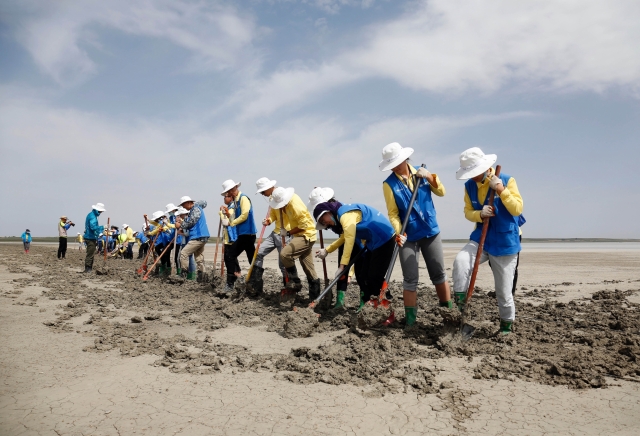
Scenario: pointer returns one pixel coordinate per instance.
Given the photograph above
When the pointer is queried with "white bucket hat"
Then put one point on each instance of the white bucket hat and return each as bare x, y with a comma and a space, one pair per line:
474, 162
393, 155
184, 199
264, 183
182, 211
157, 214
170, 208
319, 195
280, 197
99, 207
124, 226
227, 185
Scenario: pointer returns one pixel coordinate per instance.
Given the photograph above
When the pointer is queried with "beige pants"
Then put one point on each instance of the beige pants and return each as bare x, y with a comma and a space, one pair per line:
197, 249
299, 248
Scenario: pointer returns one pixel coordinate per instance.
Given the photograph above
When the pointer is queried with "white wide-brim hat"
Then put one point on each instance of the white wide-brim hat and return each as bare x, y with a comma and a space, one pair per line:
184, 199
318, 225
319, 195
264, 183
170, 208
474, 162
393, 155
227, 185
157, 214
63, 217
280, 197
99, 207
124, 226
182, 211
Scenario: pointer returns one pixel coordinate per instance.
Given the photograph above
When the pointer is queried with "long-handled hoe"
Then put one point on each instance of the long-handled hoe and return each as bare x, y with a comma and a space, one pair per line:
466, 330
243, 286
146, 276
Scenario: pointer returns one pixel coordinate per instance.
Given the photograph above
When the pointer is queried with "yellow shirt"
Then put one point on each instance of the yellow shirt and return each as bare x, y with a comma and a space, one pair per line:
392, 207
245, 208
349, 221
274, 216
225, 232
130, 237
80, 239
510, 197
298, 215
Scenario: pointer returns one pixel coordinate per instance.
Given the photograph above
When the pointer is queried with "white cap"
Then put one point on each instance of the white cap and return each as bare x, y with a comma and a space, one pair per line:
227, 185
280, 197
474, 162
124, 226
264, 183
170, 208
182, 211
393, 155
157, 215
99, 207
319, 195
184, 199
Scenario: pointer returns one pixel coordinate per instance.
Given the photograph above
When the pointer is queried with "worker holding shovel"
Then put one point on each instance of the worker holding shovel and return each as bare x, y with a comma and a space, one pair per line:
272, 242
196, 224
164, 240
502, 243
243, 222
422, 234
303, 236
357, 223
229, 237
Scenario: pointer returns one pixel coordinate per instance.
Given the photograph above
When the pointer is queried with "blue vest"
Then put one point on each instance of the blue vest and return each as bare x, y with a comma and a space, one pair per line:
172, 220
503, 234
232, 232
374, 228
143, 239
422, 221
200, 229
249, 226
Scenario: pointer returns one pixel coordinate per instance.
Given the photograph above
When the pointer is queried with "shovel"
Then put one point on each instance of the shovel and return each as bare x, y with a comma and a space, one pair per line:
255, 256
215, 256
382, 300
285, 294
143, 267
146, 276
467, 330
326, 304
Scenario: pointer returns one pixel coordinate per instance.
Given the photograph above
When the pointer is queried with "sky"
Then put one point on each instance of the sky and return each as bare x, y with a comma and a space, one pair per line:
135, 103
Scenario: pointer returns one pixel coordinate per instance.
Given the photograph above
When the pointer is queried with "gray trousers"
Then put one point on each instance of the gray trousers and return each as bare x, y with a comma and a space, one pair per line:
433, 256
91, 251
268, 244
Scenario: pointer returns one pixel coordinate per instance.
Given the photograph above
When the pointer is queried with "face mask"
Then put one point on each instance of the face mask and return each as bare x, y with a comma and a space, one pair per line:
171, 214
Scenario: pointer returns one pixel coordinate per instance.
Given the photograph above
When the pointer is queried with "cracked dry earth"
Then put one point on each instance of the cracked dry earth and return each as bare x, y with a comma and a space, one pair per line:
111, 354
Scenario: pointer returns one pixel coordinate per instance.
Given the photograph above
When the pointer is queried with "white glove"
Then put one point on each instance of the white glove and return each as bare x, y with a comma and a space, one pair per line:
494, 182
401, 239
423, 173
283, 232
321, 254
266, 222
486, 212
225, 222
339, 271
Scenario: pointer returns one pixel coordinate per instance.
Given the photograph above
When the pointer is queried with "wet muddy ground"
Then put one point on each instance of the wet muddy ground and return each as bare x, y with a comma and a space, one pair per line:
583, 343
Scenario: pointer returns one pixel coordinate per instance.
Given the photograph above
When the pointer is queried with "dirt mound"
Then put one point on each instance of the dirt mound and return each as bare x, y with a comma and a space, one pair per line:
300, 323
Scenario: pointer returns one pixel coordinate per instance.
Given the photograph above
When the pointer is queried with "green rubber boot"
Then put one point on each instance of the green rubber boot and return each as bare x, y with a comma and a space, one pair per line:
161, 271
178, 271
461, 298
505, 327
410, 315
361, 301
339, 300
191, 276
448, 304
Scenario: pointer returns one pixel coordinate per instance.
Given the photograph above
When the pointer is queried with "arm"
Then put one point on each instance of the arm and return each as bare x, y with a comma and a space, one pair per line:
511, 198
469, 212
349, 221
336, 244
303, 217
192, 218
245, 207
392, 208
438, 188
66, 226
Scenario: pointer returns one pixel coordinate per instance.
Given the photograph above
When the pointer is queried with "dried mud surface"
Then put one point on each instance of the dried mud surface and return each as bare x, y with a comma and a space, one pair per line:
578, 344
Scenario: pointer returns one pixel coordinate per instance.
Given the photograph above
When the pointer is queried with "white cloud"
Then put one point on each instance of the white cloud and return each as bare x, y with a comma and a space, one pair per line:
56, 33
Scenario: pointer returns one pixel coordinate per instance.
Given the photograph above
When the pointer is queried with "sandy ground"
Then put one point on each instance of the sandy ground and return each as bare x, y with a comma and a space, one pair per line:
51, 386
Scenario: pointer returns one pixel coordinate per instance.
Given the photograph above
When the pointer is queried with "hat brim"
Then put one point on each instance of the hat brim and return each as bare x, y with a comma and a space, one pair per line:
320, 226
99, 209
285, 200
271, 184
404, 154
237, 185
467, 173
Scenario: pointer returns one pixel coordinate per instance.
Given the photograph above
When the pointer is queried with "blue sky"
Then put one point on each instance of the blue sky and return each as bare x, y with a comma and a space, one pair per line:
136, 103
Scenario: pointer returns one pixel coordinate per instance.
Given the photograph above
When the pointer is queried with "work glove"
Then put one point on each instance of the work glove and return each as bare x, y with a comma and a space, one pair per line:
401, 239
283, 232
487, 211
225, 222
266, 222
494, 182
339, 271
423, 173
321, 254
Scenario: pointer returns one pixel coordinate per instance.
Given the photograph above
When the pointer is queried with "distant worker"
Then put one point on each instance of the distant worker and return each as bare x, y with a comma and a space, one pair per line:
92, 231
80, 241
26, 240
63, 226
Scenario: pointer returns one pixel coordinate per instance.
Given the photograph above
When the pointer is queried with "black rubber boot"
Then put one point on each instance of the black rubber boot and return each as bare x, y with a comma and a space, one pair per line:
314, 289
256, 279
294, 283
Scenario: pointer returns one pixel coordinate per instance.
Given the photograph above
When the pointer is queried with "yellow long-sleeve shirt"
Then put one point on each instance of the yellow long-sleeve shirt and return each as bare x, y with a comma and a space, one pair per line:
298, 215
349, 221
245, 208
225, 232
130, 237
274, 216
510, 197
392, 207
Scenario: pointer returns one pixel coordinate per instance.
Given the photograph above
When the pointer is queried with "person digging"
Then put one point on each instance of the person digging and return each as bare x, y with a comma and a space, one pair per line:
502, 243
303, 236
92, 231
196, 224
422, 235
229, 237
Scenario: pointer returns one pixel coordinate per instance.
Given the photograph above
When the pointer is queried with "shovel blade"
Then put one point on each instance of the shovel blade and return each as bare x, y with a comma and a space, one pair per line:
467, 331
